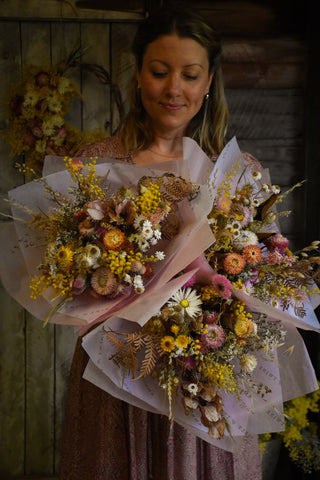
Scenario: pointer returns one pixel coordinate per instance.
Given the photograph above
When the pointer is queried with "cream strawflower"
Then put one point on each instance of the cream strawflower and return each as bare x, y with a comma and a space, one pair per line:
188, 300
244, 239
248, 362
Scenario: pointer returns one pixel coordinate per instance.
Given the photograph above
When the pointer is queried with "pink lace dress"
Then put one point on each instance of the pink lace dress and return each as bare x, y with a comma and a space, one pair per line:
107, 439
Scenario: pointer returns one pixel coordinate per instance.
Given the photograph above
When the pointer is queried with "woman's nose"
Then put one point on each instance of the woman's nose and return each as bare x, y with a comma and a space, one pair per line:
174, 85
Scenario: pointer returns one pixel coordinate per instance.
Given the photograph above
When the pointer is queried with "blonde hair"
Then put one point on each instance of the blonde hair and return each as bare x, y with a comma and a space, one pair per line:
209, 126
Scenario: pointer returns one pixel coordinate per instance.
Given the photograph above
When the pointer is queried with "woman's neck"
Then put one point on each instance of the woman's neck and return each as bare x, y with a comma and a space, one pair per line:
163, 149
168, 146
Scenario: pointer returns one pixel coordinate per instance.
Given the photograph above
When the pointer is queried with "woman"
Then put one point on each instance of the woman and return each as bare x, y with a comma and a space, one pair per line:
177, 92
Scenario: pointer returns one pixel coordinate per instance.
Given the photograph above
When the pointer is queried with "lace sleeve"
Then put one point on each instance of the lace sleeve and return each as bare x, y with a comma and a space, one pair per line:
110, 147
252, 162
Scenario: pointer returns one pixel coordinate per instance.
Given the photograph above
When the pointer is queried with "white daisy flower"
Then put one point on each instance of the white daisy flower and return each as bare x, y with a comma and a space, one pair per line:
147, 230
30, 99
157, 234
153, 241
275, 189
188, 300
147, 234
159, 255
147, 224
144, 246
236, 226
193, 388
138, 284
256, 176
41, 145
138, 222
266, 187
63, 85
127, 279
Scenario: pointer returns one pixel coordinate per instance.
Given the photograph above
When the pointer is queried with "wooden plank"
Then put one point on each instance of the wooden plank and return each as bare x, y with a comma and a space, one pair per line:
65, 37
264, 63
10, 67
266, 114
280, 50
65, 339
263, 75
40, 342
123, 65
283, 158
96, 96
12, 399
53, 9
12, 323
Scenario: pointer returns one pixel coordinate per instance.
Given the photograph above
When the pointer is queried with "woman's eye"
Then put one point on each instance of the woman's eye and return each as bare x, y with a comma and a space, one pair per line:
191, 77
159, 74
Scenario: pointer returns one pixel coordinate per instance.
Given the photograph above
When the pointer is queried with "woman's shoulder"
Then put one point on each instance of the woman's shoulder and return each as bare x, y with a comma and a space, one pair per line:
111, 147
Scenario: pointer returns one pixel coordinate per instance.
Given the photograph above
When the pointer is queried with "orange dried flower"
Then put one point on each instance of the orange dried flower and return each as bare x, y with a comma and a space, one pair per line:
252, 254
234, 263
114, 239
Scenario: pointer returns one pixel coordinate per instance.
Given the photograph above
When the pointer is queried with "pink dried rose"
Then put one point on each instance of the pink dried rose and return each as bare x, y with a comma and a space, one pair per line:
79, 284
86, 227
96, 209
62, 132
42, 79
28, 139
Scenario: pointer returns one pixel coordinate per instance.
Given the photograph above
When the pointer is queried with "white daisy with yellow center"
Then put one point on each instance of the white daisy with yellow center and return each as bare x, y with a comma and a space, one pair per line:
188, 300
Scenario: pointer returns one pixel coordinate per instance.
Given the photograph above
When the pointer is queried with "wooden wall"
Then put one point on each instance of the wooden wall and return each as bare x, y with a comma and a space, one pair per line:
264, 67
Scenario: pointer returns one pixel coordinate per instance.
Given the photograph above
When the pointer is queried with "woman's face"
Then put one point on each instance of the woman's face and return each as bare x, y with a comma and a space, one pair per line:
174, 79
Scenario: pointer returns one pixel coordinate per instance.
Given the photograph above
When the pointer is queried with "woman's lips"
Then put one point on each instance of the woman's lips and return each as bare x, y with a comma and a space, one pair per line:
172, 107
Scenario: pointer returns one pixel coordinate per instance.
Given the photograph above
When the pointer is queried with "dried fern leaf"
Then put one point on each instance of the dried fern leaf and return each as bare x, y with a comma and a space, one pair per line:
151, 357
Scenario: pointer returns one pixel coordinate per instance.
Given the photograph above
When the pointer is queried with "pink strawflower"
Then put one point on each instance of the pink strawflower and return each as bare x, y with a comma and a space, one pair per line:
274, 258
246, 216
212, 317
214, 337
188, 361
221, 285
224, 204
280, 242
79, 284
190, 282
289, 259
